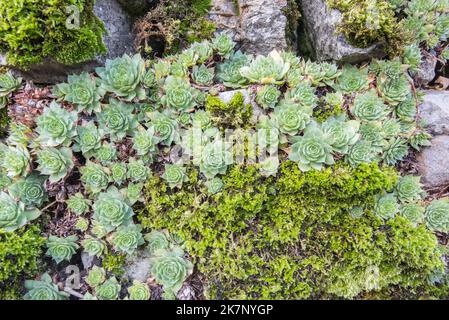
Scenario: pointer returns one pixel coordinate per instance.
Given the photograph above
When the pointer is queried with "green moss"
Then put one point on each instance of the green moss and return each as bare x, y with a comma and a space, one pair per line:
365, 23
293, 237
20, 257
234, 114
114, 263
31, 31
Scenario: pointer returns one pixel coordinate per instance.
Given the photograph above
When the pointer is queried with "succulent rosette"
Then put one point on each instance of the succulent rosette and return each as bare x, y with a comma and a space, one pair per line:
202, 75
122, 76
139, 291
179, 94
118, 172
43, 289
127, 238
56, 126
15, 160
94, 246
133, 193
304, 94
30, 190
157, 240
409, 189
106, 153
342, 133
214, 185
174, 175
81, 90
13, 214
369, 107
82, 224
145, 142
215, 158
413, 212
62, 249
165, 128
268, 97
352, 80
78, 204
386, 206
228, 71
137, 170
88, 139
312, 150
394, 151
109, 290
291, 118
95, 177
269, 166
312, 71
170, 269
407, 109
56, 163
270, 69
360, 152
111, 210
203, 50
117, 120
19, 134
96, 276
394, 91
223, 45
437, 215
8, 83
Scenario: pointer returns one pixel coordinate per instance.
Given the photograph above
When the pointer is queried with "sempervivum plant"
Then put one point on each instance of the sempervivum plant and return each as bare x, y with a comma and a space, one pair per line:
342, 133
88, 139
395, 151
165, 127
369, 107
8, 84
43, 289
312, 150
127, 238
223, 45
106, 153
304, 94
406, 110
60, 249
157, 240
56, 126
228, 72
175, 175
109, 290
179, 94
133, 192
111, 210
137, 170
188, 57
202, 75
118, 172
95, 177
268, 96
94, 246
413, 212
139, 291
394, 91
291, 118
352, 80
271, 69
269, 166
82, 91
437, 215
170, 269
145, 141
96, 276
56, 163
117, 120
78, 204
203, 50
409, 189
215, 158
13, 214
361, 152
214, 185
15, 160
386, 206
122, 76
30, 190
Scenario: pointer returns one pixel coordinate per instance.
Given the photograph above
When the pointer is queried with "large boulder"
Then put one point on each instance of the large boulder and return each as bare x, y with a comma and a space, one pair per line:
320, 23
433, 163
434, 111
119, 40
258, 25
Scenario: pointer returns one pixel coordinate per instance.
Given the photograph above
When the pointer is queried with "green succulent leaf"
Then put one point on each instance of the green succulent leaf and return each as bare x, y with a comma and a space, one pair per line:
30, 190
139, 291
43, 289
95, 177
127, 238
13, 214
62, 249
55, 163
78, 204
109, 290
437, 215
270, 69
94, 246
96, 276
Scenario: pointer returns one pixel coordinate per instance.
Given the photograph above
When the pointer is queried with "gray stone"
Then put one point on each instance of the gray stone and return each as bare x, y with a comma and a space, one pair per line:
259, 26
427, 70
87, 260
433, 162
119, 40
434, 111
226, 96
138, 266
321, 24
